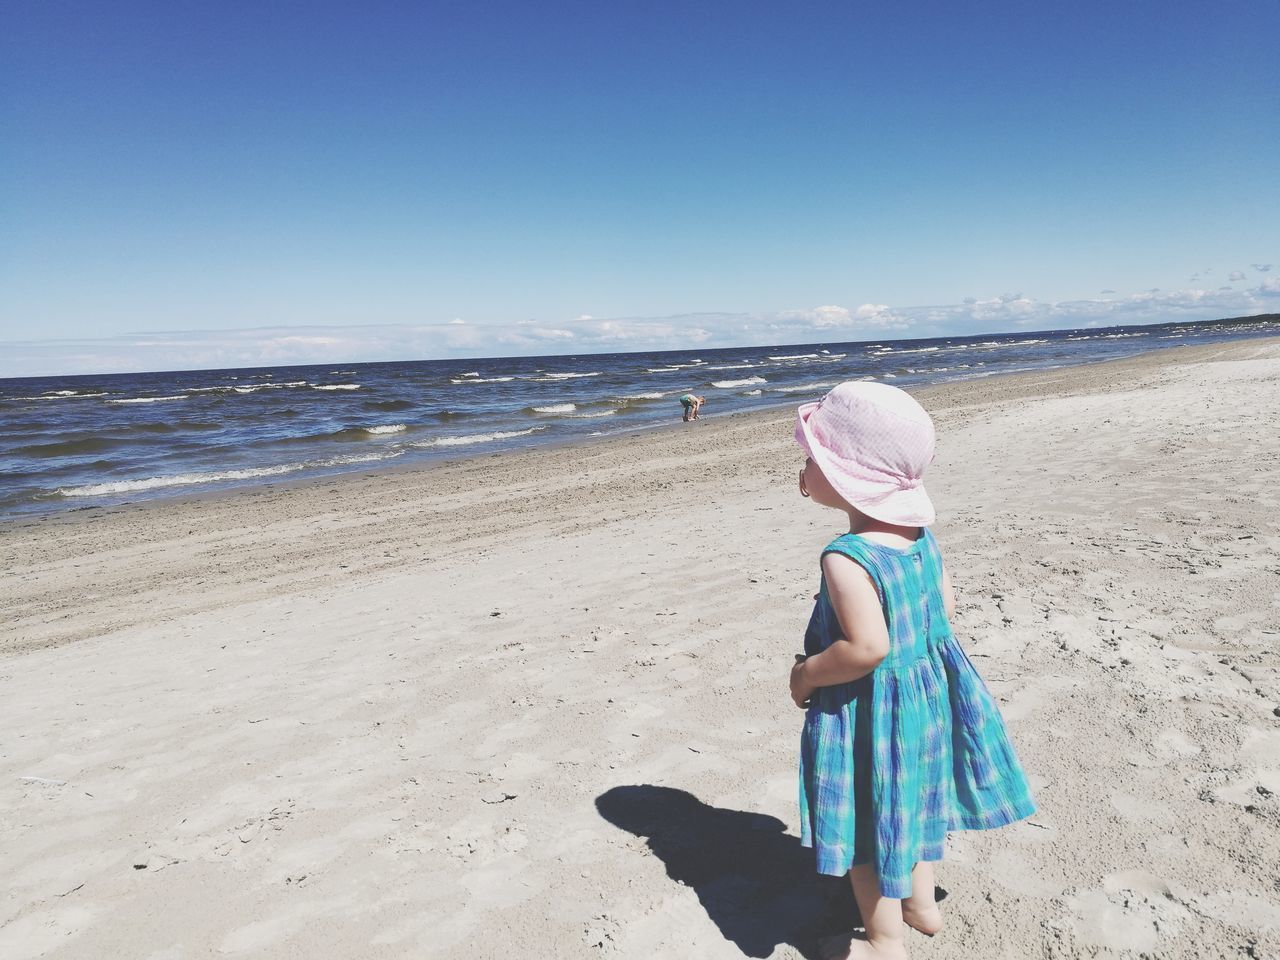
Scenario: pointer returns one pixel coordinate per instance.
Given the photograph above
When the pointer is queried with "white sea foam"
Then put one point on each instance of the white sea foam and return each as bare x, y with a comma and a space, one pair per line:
233, 388
383, 428
62, 395
643, 396
566, 376
803, 388
753, 393
594, 416
471, 379
732, 366
557, 408
179, 396
191, 479
798, 356
475, 438
473, 373
729, 384
663, 369
335, 386
833, 356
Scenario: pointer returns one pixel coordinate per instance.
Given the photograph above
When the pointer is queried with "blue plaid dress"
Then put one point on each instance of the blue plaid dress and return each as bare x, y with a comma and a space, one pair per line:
892, 762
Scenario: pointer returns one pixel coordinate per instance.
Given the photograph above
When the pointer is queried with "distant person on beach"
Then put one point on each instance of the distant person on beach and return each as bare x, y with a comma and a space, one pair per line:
692, 404
901, 742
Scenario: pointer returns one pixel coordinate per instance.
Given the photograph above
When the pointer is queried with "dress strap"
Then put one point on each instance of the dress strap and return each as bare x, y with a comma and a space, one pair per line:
865, 555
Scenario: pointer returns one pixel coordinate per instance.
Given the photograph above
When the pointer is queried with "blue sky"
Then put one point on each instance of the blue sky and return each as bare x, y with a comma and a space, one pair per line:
193, 184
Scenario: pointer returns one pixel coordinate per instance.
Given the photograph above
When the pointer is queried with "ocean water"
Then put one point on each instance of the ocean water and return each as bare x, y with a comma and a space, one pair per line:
91, 441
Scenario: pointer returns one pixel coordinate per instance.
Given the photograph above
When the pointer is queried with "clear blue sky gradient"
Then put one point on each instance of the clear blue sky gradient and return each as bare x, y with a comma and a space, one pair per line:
170, 166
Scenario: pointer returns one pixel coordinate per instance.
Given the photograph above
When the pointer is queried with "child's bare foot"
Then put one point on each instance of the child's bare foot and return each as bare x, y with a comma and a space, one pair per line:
926, 918
857, 947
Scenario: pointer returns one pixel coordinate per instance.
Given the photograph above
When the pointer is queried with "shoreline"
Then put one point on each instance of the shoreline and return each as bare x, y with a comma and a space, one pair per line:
410, 456
96, 548
1031, 381
538, 701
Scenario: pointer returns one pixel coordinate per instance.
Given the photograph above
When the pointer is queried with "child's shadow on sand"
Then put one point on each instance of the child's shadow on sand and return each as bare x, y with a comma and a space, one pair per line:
755, 881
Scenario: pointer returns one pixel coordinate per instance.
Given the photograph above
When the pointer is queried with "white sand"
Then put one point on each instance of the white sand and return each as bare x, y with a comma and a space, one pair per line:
536, 704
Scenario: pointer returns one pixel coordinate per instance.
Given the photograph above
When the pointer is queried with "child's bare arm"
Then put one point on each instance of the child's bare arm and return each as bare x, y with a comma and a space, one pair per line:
865, 640
948, 594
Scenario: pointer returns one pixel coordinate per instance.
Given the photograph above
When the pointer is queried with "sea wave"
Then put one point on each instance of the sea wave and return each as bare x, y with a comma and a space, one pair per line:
169, 426
192, 479
730, 384
177, 396
802, 388
475, 438
642, 396
354, 434
388, 405
552, 377
63, 395
663, 369
594, 416
992, 344
798, 356
252, 388
471, 379
335, 386
732, 366
554, 408
70, 448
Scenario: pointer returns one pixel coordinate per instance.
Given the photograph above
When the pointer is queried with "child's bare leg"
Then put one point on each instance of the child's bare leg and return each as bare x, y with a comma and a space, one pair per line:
881, 918
920, 910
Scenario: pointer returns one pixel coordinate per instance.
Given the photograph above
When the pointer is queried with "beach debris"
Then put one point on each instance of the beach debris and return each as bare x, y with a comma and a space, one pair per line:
151, 860
44, 781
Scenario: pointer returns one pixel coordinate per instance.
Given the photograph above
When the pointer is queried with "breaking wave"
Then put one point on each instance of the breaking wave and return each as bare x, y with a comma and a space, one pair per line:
192, 479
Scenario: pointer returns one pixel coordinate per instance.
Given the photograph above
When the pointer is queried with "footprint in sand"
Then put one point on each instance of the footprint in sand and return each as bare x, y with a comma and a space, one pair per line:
1132, 912
1248, 911
1014, 871
35, 934
1259, 765
1137, 810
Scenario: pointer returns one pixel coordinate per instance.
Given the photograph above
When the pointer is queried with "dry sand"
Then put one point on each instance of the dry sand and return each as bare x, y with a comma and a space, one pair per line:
535, 704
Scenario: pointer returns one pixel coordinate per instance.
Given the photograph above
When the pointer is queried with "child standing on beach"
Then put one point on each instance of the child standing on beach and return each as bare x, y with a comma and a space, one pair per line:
902, 742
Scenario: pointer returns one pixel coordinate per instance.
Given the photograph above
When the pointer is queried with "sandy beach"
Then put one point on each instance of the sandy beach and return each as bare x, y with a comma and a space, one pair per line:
535, 704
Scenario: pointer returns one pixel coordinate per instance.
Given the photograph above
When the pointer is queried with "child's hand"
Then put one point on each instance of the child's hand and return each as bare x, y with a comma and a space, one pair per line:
800, 690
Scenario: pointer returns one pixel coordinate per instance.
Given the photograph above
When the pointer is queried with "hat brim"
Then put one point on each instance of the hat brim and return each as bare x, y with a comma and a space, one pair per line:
906, 507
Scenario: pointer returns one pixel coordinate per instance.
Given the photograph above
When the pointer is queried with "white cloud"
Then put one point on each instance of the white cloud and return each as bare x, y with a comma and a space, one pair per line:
1261, 267
1236, 275
828, 323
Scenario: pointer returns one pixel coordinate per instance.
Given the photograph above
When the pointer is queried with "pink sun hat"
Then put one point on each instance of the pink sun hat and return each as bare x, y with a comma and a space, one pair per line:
872, 442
